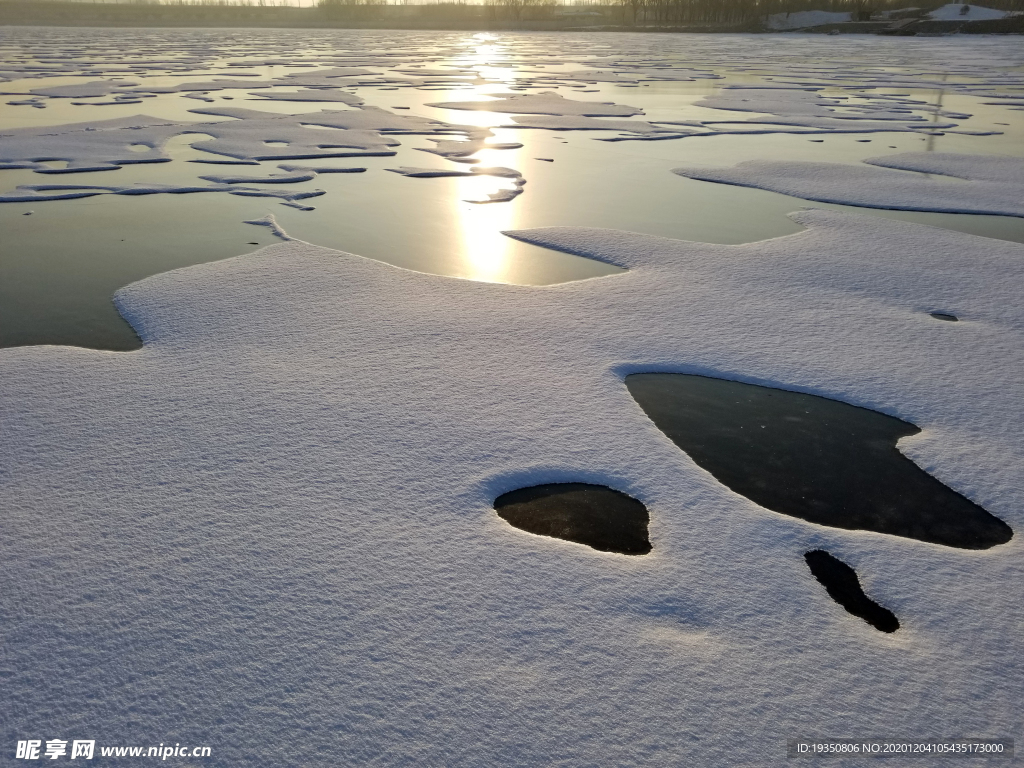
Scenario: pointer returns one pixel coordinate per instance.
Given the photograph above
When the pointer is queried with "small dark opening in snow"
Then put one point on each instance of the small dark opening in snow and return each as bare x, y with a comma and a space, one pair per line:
821, 460
595, 515
944, 316
843, 586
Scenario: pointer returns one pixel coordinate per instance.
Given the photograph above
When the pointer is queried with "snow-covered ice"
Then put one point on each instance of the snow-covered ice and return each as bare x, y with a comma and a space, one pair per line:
275, 519
995, 184
272, 528
548, 103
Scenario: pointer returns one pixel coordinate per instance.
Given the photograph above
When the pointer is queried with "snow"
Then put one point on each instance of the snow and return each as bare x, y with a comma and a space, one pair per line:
33, 192
999, 169
547, 103
584, 76
270, 530
995, 186
366, 118
801, 19
456, 149
83, 90
311, 94
579, 123
954, 12
98, 145
305, 174
804, 107
426, 173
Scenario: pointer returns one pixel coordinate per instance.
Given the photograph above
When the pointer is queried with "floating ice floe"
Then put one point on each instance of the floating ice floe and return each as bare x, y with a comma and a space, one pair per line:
995, 184
293, 177
203, 87
289, 139
93, 146
363, 119
425, 173
585, 76
271, 223
501, 196
41, 192
547, 103
84, 90
580, 123
460, 149
286, 497
312, 94
318, 169
806, 108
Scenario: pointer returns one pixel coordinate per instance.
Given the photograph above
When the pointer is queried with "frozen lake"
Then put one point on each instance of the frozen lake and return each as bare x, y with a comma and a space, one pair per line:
573, 399
61, 264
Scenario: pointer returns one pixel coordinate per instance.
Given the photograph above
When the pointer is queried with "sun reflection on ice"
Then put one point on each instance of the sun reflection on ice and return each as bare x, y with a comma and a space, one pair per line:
486, 253
484, 50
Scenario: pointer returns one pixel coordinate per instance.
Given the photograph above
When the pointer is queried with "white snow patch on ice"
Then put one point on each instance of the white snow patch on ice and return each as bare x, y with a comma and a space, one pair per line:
580, 123
996, 183
547, 103
271, 223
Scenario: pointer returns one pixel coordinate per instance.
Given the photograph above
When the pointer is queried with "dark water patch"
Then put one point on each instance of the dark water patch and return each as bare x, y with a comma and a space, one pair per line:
843, 586
944, 316
602, 518
821, 460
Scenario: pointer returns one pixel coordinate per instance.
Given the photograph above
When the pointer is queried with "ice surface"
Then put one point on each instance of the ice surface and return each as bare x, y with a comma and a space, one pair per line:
585, 75
996, 183
83, 90
508, 173
32, 192
364, 119
289, 138
460, 149
580, 123
818, 459
547, 103
998, 169
276, 518
318, 169
593, 515
312, 94
807, 108
205, 86
98, 145
304, 174
271, 223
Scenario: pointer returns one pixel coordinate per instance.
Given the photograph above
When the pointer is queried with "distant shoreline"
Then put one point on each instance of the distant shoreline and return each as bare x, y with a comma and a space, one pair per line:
25, 13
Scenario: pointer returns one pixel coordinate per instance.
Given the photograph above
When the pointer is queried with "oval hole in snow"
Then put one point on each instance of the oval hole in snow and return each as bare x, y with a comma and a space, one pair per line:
601, 518
944, 316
